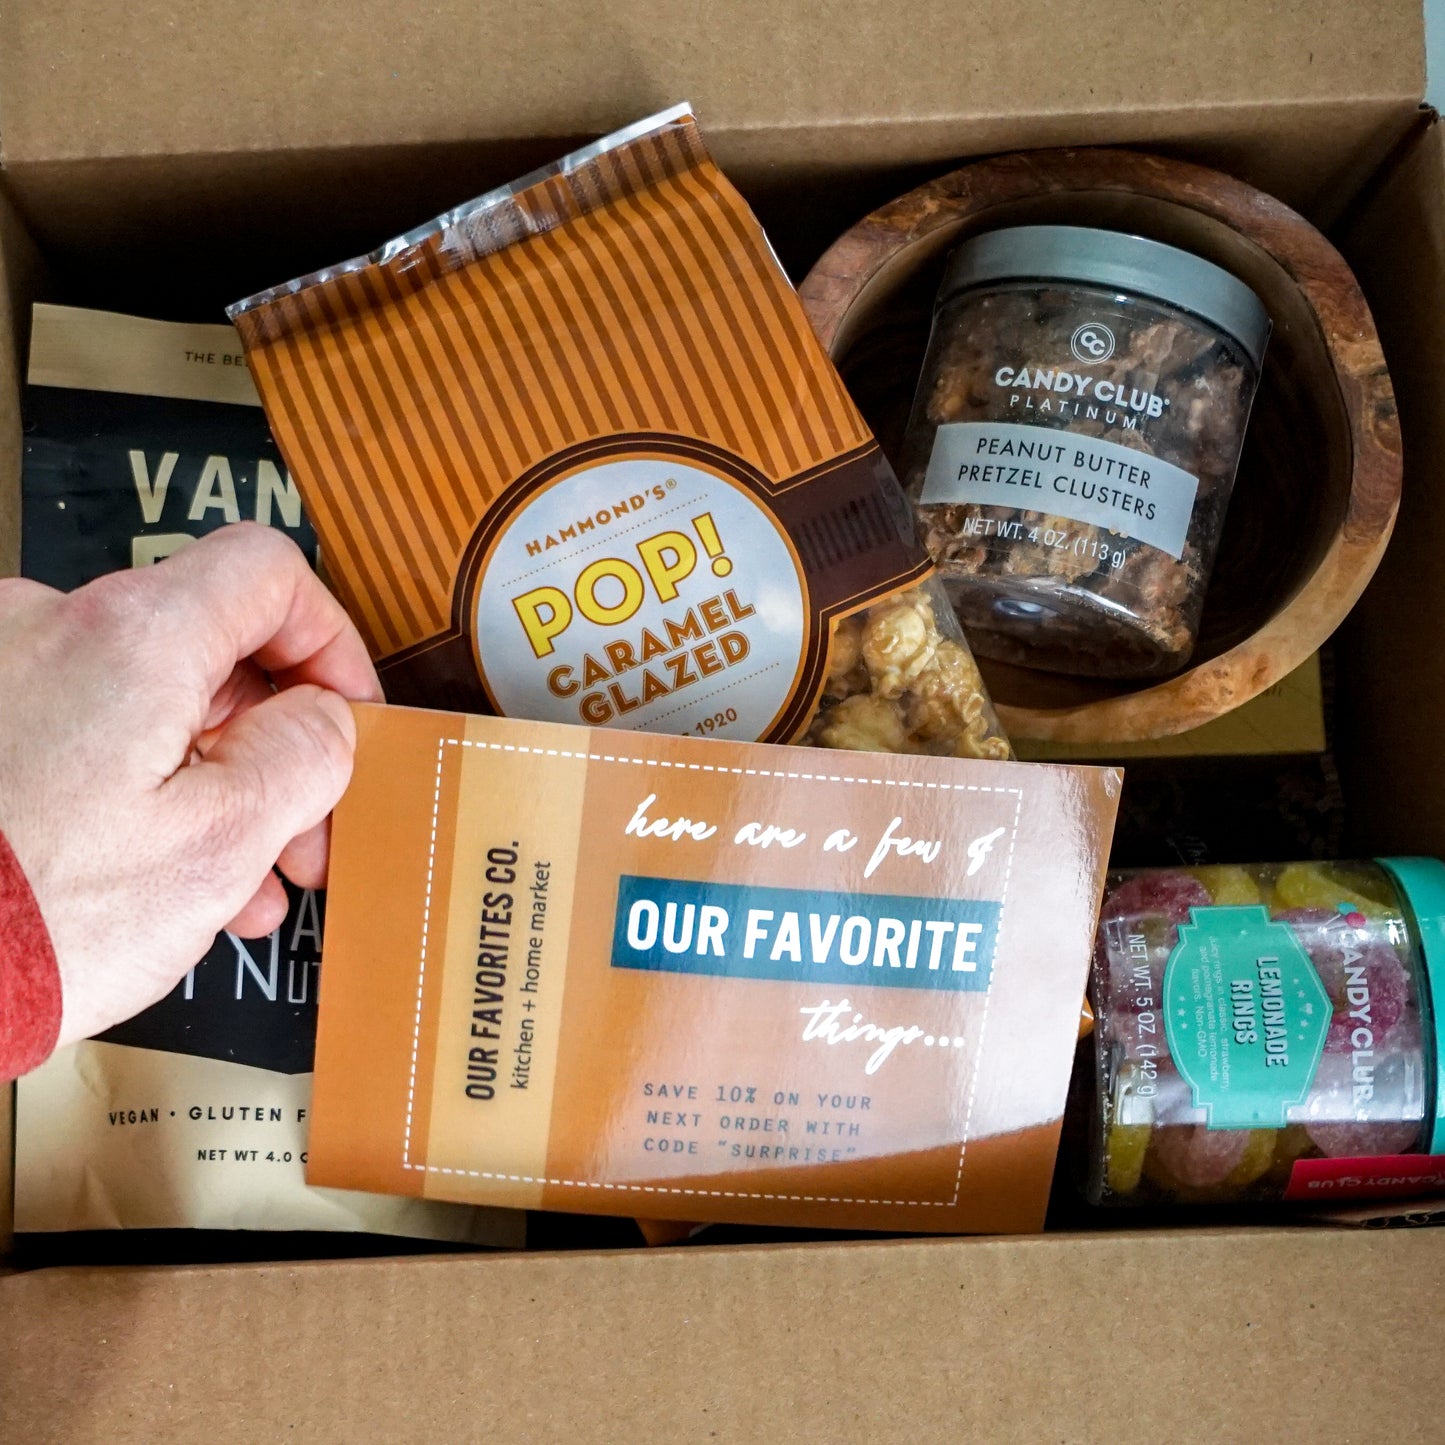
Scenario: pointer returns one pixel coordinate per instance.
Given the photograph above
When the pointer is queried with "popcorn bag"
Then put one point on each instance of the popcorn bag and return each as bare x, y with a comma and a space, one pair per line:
574, 455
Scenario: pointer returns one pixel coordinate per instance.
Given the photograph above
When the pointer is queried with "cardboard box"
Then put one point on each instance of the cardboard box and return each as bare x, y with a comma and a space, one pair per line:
168, 164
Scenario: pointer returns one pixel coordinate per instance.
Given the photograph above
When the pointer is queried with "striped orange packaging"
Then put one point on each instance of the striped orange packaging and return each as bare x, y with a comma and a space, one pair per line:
574, 454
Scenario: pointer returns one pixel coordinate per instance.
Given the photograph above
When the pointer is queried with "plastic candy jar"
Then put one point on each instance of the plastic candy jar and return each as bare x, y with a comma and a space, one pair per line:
1269, 1032
1074, 441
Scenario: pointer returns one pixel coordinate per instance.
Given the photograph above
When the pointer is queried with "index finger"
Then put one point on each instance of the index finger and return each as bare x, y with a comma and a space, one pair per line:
247, 591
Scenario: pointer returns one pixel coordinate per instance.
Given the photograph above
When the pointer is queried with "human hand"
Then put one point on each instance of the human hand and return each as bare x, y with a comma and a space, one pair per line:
150, 777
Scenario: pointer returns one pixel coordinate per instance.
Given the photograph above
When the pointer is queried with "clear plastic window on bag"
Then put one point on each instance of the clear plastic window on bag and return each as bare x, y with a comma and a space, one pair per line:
901, 679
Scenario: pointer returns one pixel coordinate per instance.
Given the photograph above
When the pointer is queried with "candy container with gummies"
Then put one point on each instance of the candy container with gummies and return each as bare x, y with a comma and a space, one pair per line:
1270, 1031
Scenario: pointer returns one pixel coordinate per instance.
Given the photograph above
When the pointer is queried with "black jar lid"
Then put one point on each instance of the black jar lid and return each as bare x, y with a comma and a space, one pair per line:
1120, 262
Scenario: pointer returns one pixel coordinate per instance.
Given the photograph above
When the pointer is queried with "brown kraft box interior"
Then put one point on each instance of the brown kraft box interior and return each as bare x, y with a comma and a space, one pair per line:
165, 166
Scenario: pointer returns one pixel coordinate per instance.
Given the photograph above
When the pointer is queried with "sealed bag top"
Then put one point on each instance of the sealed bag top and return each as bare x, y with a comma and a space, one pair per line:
574, 453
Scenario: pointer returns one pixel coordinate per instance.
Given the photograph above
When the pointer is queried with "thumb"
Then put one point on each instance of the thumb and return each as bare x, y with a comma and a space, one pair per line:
269, 776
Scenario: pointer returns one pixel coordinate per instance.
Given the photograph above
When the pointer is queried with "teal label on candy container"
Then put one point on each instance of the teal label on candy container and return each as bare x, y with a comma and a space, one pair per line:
1246, 1016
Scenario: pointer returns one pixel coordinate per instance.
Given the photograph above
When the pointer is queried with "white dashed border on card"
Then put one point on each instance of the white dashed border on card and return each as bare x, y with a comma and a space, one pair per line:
621, 758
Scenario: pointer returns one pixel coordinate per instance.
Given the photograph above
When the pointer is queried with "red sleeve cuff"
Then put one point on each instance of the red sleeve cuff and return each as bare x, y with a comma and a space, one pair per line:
29, 975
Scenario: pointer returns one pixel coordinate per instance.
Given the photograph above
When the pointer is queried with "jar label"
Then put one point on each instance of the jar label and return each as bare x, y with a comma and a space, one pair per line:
1246, 1016
1062, 474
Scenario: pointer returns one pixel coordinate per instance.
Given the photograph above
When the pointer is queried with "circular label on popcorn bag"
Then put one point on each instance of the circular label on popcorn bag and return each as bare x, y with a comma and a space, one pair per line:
646, 593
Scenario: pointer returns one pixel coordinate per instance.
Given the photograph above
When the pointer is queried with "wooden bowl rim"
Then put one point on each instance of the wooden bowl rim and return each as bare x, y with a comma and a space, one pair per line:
1211, 688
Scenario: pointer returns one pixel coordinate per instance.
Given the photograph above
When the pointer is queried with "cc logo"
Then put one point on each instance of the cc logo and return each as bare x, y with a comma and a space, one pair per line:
1092, 343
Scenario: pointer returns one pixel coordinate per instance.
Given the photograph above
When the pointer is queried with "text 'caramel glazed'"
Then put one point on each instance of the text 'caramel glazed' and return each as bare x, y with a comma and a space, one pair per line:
574, 454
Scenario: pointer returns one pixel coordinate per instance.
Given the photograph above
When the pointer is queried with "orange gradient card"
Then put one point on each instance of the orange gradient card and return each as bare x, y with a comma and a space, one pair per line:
633, 974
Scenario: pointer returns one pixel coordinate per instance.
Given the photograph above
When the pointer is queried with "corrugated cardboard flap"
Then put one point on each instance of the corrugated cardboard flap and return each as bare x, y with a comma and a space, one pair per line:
1122, 1336
93, 79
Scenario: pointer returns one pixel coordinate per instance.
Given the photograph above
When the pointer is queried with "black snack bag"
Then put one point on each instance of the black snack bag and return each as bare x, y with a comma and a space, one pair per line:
141, 436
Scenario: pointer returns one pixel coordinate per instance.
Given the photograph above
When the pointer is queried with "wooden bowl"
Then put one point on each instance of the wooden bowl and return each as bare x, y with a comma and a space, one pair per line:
1319, 480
